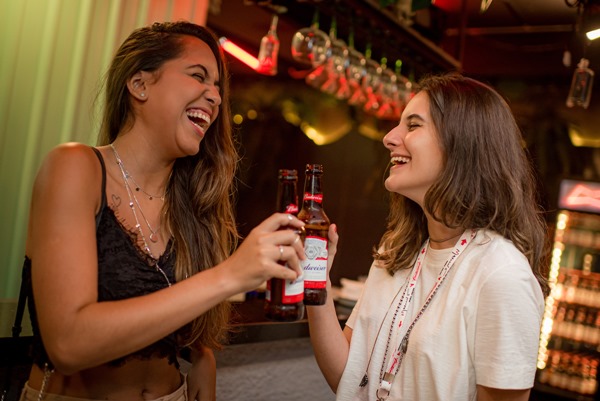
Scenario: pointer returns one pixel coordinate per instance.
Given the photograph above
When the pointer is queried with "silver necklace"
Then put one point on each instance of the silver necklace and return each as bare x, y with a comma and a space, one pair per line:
138, 188
126, 176
132, 203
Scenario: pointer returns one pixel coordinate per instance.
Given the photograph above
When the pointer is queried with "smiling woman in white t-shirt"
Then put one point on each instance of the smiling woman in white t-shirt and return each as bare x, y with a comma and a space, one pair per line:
452, 306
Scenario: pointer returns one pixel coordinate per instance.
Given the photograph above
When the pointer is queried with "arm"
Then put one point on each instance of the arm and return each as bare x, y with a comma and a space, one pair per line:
79, 332
494, 394
202, 378
331, 345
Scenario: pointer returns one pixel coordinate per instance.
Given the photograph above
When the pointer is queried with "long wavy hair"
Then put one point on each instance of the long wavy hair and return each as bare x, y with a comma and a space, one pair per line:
487, 181
198, 202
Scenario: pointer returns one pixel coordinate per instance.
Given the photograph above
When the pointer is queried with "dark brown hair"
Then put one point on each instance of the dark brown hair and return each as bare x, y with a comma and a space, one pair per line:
198, 204
487, 181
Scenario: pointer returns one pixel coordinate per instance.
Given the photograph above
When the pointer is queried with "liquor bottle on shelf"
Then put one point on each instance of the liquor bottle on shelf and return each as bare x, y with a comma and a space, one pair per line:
284, 298
269, 50
316, 241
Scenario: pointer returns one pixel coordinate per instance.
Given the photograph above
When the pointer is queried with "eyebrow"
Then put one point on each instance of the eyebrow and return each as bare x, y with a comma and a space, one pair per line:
414, 116
203, 68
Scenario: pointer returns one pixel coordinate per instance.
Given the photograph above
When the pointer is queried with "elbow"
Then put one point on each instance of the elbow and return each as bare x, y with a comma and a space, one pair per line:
65, 358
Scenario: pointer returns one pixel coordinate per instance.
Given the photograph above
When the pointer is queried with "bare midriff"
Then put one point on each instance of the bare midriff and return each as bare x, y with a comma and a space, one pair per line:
136, 380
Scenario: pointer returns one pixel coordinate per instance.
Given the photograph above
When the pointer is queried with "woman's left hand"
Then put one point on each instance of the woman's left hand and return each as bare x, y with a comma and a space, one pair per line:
202, 377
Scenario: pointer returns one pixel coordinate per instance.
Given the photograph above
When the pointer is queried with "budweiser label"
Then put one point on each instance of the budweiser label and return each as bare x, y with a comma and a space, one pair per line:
315, 265
291, 209
316, 197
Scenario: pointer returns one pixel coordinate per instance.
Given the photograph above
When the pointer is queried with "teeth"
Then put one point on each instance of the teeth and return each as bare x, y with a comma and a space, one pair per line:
200, 115
400, 160
198, 125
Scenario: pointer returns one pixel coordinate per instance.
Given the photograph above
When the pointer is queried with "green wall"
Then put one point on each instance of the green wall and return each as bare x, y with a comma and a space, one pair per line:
53, 54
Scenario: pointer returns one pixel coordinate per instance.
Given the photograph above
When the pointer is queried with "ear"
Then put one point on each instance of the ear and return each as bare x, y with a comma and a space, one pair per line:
137, 86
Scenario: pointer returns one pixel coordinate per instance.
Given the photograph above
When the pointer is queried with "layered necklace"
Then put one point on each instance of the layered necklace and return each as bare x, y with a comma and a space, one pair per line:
397, 343
133, 202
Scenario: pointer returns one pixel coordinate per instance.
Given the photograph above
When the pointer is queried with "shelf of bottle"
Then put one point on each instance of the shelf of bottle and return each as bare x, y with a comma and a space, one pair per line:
577, 287
575, 372
581, 221
545, 392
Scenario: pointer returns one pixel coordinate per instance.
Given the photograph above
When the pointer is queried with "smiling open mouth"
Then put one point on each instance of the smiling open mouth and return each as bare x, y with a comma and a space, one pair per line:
199, 119
399, 160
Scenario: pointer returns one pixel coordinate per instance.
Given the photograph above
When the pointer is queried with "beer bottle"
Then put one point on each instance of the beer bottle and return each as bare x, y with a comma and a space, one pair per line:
283, 298
316, 240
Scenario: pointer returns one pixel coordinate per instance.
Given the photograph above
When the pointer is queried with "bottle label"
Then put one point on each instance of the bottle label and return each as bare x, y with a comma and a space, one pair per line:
291, 209
313, 197
315, 265
293, 291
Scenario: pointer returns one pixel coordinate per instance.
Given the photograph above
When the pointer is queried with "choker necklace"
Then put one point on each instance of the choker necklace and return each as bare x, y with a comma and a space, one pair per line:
445, 239
132, 203
150, 196
138, 188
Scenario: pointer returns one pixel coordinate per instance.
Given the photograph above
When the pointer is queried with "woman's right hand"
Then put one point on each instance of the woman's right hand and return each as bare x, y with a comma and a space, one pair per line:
256, 259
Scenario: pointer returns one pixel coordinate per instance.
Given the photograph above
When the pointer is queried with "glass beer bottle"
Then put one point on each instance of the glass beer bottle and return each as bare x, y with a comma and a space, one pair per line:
284, 298
316, 240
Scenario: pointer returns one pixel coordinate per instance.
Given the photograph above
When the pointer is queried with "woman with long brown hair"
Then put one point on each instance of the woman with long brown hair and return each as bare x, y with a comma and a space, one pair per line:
130, 243
452, 307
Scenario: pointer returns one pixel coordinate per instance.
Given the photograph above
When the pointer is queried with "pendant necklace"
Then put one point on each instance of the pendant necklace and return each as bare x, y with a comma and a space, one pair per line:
132, 204
138, 188
389, 368
126, 177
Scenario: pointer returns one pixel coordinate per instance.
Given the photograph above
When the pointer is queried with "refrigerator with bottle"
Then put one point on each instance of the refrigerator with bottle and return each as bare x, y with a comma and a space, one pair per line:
570, 335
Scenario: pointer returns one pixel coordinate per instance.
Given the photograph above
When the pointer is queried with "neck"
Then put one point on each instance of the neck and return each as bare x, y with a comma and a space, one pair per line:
444, 243
148, 172
442, 237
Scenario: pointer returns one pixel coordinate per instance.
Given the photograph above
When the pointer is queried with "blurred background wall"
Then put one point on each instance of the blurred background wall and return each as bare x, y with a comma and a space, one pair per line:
53, 54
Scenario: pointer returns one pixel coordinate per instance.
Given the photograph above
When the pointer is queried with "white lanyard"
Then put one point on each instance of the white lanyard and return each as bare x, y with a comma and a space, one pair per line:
393, 365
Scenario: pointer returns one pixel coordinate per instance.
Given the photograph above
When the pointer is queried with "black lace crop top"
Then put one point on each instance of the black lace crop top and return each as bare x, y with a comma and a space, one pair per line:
124, 271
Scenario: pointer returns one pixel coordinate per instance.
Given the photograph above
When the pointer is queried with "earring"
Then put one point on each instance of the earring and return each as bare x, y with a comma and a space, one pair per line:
142, 94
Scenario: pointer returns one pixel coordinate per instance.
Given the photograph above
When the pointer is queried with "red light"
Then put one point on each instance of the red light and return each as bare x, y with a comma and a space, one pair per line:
239, 53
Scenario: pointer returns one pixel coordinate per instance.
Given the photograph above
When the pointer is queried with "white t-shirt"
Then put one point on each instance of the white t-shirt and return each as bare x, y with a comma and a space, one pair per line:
482, 327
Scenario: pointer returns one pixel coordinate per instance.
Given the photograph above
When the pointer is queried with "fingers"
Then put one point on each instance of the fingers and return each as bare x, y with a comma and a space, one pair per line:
333, 239
290, 251
280, 220
332, 246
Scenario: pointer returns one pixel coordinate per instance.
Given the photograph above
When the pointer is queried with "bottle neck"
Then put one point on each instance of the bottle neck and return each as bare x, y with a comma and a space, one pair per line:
287, 197
273, 28
313, 193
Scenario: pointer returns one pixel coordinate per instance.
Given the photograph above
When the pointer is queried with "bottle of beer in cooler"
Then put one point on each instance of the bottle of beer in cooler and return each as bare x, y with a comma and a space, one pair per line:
316, 241
284, 298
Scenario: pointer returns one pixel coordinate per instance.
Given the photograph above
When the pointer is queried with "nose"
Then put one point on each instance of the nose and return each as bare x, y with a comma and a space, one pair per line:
392, 138
213, 96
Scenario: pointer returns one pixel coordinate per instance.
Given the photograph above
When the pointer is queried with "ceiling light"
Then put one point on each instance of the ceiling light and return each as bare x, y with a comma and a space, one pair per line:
239, 53
593, 34
591, 20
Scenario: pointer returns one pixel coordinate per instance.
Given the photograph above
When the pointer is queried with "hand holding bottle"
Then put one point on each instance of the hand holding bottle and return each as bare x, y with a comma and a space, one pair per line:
256, 259
284, 299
